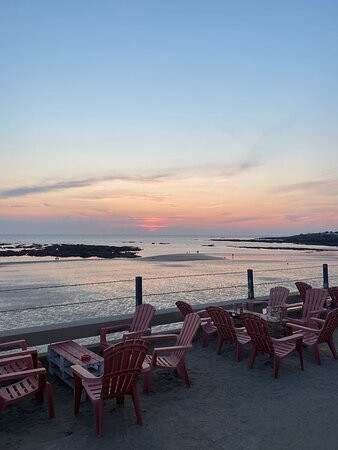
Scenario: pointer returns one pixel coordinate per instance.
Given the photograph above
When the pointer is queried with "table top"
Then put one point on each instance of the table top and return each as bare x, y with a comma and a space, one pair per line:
72, 351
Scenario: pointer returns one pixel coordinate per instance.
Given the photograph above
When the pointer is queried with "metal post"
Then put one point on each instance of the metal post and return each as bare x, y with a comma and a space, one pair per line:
138, 290
325, 276
251, 293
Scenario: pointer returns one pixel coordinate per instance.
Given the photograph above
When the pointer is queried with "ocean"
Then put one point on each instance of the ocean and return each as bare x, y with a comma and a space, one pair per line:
40, 291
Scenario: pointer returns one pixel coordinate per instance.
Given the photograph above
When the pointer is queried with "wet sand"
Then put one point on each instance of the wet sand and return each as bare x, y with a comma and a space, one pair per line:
181, 257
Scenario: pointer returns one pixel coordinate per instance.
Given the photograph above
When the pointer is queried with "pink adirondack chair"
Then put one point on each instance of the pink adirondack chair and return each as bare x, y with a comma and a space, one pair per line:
226, 330
277, 300
302, 288
174, 358
122, 365
207, 327
313, 305
20, 384
18, 365
314, 336
261, 340
139, 325
333, 291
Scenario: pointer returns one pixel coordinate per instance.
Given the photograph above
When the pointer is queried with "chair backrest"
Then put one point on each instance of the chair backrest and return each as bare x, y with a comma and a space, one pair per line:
302, 288
314, 301
223, 322
122, 365
333, 291
184, 307
142, 317
188, 331
258, 330
278, 296
329, 326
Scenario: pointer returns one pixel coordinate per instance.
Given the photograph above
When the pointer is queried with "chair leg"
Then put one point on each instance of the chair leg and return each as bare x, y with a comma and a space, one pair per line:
146, 381
136, 403
182, 370
205, 339
276, 366
98, 409
239, 349
252, 356
315, 350
299, 348
77, 393
50, 401
332, 348
220, 341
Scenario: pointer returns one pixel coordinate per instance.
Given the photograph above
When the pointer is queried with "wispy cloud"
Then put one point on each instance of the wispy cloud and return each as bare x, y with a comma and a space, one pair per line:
327, 187
216, 168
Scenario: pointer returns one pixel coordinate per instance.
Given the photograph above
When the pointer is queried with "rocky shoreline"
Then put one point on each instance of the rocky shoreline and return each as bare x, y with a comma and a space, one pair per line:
328, 238
69, 251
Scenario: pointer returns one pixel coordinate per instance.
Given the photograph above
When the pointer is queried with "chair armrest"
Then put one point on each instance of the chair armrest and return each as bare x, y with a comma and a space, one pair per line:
293, 305
160, 337
302, 327
113, 329
294, 337
202, 313
316, 319
82, 373
22, 374
13, 359
136, 334
13, 344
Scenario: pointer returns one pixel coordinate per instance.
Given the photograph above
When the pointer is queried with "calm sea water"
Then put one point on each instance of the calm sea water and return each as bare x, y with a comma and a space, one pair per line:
163, 282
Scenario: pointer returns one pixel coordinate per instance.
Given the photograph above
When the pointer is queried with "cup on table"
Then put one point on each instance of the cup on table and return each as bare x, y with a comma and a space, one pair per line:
86, 358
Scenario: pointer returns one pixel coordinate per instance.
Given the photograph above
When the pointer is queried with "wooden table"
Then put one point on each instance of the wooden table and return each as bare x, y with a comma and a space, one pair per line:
63, 355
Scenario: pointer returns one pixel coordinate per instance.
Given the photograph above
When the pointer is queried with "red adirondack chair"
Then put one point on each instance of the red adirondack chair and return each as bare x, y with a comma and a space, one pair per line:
122, 365
333, 291
277, 300
19, 365
314, 336
313, 305
174, 358
226, 330
20, 384
139, 325
261, 340
302, 288
207, 327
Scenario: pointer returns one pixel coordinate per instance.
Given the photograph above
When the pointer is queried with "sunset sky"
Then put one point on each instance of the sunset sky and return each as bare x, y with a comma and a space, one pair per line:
216, 117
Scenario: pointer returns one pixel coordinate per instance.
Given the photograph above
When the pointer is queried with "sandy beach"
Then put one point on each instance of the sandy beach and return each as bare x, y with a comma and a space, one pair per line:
227, 407
182, 257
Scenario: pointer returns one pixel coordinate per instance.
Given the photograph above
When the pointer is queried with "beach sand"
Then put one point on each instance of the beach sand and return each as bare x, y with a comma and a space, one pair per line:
227, 407
181, 257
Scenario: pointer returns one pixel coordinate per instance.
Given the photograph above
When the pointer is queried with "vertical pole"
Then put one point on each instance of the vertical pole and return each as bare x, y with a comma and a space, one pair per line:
138, 290
325, 276
251, 293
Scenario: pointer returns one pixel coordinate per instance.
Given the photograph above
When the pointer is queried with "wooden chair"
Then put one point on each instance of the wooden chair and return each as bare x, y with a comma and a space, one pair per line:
312, 307
261, 340
20, 384
122, 365
333, 291
226, 330
277, 300
174, 358
139, 325
18, 365
302, 288
207, 327
314, 336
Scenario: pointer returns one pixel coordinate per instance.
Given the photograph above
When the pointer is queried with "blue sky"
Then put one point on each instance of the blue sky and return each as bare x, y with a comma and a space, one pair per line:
225, 102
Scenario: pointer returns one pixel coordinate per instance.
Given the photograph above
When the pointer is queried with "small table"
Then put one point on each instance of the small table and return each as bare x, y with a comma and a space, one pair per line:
63, 355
